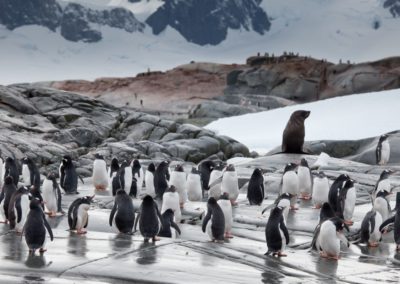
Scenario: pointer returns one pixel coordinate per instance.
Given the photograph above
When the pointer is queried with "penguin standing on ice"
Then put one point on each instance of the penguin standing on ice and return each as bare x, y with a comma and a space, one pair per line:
149, 180
149, 218
100, 175
123, 212
137, 178
334, 193
168, 222
255, 189
125, 177
205, 168
35, 227
78, 217
382, 151
214, 221
193, 186
214, 186
52, 195
282, 201
382, 205
7, 192
68, 176
305, 180
290, 183
178, 179
331, 233
370, 233
161, 178
18, 209
113, 181
325, 213
395, 220
30, 173
226, 208
383, 184
276, 233
11, 169
348, 201
171, 201
320, 190
230, 183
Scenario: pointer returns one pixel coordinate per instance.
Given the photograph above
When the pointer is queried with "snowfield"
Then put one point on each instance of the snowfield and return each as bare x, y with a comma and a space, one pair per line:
341, 118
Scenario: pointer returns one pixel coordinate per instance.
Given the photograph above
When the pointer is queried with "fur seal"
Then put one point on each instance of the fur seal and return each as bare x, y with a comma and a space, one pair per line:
293, 135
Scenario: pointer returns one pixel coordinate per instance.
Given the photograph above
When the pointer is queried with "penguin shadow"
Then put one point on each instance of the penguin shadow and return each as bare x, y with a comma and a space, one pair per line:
375, 255
77, 244
36, 261
121, 242
147, 254
15, 247
326, 266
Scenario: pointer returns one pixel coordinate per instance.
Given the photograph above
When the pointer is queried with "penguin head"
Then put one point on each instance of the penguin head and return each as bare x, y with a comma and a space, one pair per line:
67, 160
342, 178
300, 115
304, 163
383, 138
386, 173
114, 163
286, 195
9, 160
87, 199
276, 211
23, 190
212, 201
321, 174
339, 224
326, 212
178, 168
148, 201
219, 166
98, 156
382, 193
230, 168
290, 167
121, 192
25, 160
171, 189
224, 196
168, 212
124, 164
8, 180
151, 168
35, 203
136, 164
194, 171
349, 183
257, 172
208, 164
51, 176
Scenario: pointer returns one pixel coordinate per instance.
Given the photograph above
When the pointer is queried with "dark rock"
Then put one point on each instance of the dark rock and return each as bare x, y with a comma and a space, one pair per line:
15, 100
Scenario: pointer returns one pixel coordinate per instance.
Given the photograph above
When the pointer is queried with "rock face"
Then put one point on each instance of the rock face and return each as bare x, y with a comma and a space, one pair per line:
393, 6
207, 21
46, 124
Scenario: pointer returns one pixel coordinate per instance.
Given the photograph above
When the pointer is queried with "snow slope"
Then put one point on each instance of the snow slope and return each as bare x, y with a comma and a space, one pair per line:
341, 118
334, 29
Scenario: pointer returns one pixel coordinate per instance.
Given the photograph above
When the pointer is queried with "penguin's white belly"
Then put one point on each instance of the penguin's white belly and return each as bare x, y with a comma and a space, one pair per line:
2, 214
1, 172
227, 210
149, 181
283, 246
178, 179
215, 190
26, 175
285, 204
49, 196
82, 216
320, 191
24, 211
100, 175
128, 179
328, 240
375, 236
139, 181
209, 231
193, 186
290, 183
304, 177
171, 201
385, 153
381, 207
230, 185
349, 204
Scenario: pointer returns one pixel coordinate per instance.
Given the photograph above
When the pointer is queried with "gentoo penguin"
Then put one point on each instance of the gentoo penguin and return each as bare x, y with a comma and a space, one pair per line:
370, 233
161, 178
330, 235
334, 193
282, 201
125, 177
35, 227
255, 189
100, 176
113, 181
214, 221
149, 180
290, 183
193, 186
68, 176
305, 180
171, 201
395, 220
123, 212
382, 205
167, 223
230, 183
138, 177
348, 201
78, 216
320, 190
149, 219
383, 184
205, 168
276, 233
325, 213
226, 207
214, 186
52, 195
7, 192
178, 179
18, 209
30, 173
382, 151
11, 169
293, 135
35, 193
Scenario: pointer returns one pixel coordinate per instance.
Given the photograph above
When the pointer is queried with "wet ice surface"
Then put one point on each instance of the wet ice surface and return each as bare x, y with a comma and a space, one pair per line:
102, 255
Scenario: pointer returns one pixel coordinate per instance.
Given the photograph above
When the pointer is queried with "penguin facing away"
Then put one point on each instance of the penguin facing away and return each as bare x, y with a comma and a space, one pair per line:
18, 209
255, 189
167, 223
178, 179
30, 173
214, 186
161, 178
11, 169
171, 201
290, 183
276, 233
149, 180
226, 208
35, 227
124, 213
331, 233
370, 233
100, 176
193, 186
382, 151
214, 221
149, 218
78, 217
52, 195
320, 192
230, 183
6, 194
68, 176
305, 180
395, 220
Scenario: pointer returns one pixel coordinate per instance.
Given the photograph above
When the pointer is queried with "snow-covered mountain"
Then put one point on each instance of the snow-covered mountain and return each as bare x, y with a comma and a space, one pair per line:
85, 39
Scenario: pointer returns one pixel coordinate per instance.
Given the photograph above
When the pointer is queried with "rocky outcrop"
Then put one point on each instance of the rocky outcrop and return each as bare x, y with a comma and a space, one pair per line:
393, 6
46, 124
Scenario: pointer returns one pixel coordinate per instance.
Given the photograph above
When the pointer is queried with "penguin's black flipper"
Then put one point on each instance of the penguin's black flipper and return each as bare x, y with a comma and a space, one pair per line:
386, 223
80, 177
18, 209
113, 210
205, 221
378, 152
159, 215
262, 192
58, 194
367, 222
174, 225
315, 237
48, 228
137, 220
284, 229
268, 207
62, 176
133, 189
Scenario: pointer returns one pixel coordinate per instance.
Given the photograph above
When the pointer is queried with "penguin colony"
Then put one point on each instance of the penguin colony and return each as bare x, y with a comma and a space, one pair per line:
23, 205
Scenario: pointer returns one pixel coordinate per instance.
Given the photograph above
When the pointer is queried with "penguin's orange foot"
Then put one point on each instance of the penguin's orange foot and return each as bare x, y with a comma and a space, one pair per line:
4, 222
294, 208
52, 214
281, 254
228, 235
373, 245
234, 202
155, 239
323, 254
81, 232
42, 250
318, 206
348, 222
335, 257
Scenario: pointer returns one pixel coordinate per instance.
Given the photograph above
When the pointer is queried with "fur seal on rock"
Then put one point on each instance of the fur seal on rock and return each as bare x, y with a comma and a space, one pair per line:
293, 135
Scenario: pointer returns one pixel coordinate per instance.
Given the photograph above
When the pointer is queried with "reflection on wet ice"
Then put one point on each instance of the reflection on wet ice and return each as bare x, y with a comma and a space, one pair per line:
121, 242
77, 244
326, 266
36, 261
147, 254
